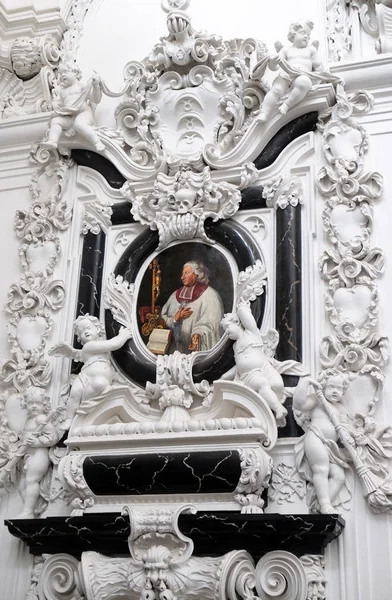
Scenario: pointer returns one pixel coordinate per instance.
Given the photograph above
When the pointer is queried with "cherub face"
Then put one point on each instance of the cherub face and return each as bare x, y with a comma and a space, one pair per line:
334, 389
87, 331
67, 77
301, 37
34, 403
233, 329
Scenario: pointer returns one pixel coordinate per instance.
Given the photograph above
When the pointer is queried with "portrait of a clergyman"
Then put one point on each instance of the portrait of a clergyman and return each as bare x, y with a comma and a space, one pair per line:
194, 311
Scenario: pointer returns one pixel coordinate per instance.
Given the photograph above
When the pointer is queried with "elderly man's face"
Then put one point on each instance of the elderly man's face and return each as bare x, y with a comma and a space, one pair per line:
188, 277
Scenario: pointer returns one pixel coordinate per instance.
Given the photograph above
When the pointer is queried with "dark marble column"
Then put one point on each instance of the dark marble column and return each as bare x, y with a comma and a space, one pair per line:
90, 280
289, 298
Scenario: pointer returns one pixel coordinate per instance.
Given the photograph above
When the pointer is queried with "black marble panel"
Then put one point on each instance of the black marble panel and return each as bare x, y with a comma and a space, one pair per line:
252, 198
163, 473
213, 533
86, 158
90, 281
121, 214
285, 136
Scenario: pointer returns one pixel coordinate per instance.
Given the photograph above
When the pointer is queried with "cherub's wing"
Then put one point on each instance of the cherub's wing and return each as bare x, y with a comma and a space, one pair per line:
65, 350
270, 341
315, 43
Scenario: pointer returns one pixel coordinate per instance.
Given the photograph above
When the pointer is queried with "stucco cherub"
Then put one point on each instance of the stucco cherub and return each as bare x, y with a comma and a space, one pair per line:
97, 374
75, 107
300, 67
38, 435
318, 456
253, 366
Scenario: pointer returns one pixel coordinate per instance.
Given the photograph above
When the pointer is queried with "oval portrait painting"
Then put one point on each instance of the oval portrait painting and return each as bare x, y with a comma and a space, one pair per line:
183, 295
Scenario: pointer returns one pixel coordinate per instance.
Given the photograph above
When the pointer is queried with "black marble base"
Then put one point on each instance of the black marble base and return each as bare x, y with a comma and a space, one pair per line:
163, 473
213, 533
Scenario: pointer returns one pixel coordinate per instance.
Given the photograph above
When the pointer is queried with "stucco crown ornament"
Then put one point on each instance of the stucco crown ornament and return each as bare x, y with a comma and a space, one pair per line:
193, 91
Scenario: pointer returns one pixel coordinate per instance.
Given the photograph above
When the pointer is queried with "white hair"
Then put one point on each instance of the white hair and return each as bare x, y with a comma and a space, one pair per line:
200, 270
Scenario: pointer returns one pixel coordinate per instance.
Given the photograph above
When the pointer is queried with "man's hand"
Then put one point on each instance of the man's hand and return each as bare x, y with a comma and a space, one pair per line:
194, 346
183, 313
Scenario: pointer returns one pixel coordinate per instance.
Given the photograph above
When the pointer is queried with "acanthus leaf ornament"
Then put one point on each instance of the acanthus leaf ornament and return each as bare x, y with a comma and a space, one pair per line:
251, 283
96, 216
70, 472
281, 192
119, 299
256, 470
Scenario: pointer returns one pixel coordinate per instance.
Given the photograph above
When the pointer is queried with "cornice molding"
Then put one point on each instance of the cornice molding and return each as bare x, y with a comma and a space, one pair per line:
365, 73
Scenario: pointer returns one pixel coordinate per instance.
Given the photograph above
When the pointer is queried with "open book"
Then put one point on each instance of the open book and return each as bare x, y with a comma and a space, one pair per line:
159, 341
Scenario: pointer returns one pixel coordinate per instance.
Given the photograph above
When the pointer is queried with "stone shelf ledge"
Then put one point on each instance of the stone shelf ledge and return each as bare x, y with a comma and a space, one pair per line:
213, 533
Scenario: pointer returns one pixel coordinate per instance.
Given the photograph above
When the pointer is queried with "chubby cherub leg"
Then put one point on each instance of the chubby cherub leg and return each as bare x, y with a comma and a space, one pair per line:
272, 400
318, 458
74, 400
300, 87
263, 386
272, 98
84, 124
37, 466
337, 477
57, 126
97, 386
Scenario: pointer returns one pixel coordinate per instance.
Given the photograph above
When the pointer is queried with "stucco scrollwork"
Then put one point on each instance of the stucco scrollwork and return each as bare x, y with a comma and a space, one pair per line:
119, 298
281, 192
97, 216
161, 567
71, 475
175, 389
280, 575
179, 205
353, 357
256, 470
384, 17
338, 30
59, 579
